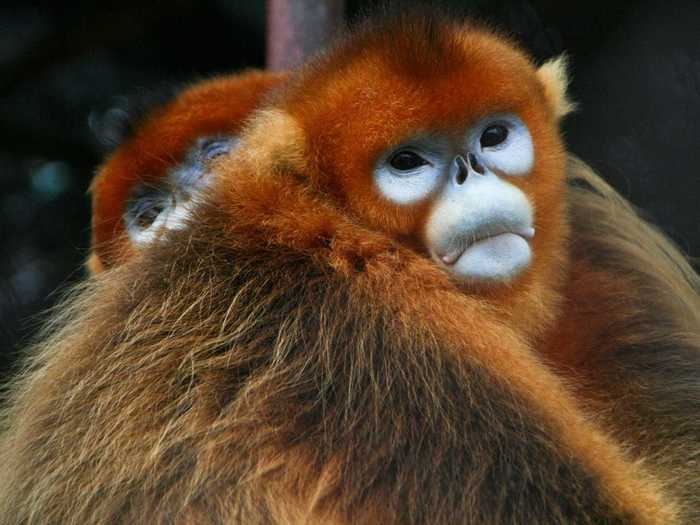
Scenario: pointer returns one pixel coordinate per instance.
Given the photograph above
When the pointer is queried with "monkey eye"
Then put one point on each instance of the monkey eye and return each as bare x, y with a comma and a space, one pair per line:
212, 148
145, 205
407, 160
493, 136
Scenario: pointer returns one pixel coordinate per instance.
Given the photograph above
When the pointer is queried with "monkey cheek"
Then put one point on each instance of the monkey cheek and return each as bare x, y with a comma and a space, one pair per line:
495, 259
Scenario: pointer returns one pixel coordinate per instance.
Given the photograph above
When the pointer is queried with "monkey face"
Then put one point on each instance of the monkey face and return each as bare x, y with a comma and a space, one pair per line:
448, 142
479, 225
150, 182
161, 205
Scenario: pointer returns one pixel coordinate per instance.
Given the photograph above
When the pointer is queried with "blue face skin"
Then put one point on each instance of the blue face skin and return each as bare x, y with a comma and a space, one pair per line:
166, 205
480, 224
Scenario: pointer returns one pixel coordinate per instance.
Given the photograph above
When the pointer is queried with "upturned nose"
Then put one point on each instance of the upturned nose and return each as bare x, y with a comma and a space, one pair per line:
462, 169
475, 164
465, 167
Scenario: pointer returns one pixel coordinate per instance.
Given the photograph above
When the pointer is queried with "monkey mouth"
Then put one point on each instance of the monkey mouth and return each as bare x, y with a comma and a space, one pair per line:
485, 239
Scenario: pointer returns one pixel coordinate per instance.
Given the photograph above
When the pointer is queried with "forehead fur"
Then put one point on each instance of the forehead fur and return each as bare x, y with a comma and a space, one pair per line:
398, 77
425, 67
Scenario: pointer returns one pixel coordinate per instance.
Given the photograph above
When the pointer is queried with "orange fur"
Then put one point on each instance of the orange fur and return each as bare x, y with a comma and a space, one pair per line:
628, 334
293, 357
217, 106
359, 100
362, 406
587, 318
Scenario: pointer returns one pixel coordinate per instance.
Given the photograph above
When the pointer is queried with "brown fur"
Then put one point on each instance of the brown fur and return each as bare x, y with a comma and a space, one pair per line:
258, 395
629, 334
325, 371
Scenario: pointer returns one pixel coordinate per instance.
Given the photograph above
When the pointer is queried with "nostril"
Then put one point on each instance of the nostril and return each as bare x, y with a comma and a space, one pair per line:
462, 170
461, 177
474, 163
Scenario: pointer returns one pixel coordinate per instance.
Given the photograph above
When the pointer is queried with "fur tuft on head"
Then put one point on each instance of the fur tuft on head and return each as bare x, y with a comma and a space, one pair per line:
554, 76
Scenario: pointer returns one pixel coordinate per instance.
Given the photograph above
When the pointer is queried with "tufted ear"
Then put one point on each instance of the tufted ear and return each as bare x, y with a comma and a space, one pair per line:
553, 75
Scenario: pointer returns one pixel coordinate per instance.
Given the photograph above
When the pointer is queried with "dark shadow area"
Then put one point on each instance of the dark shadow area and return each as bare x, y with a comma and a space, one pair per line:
636, 68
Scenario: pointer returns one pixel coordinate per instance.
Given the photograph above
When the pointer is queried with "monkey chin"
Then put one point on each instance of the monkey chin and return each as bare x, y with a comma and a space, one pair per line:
490, 260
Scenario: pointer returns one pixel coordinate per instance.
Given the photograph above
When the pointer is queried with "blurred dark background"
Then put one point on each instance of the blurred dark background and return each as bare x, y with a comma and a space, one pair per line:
63, 65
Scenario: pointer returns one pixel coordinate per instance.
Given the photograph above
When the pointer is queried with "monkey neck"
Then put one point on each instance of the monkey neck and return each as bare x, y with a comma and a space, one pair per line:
535, 303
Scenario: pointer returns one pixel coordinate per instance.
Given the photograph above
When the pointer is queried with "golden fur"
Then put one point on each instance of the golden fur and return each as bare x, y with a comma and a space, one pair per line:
629, 334
236, 404
295, 358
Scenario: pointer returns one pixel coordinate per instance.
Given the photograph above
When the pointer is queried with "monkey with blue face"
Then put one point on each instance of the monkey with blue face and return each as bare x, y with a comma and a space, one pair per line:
362, 313
148, 184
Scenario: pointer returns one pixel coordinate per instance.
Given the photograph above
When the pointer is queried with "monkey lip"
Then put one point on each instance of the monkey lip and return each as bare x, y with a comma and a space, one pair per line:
452, 256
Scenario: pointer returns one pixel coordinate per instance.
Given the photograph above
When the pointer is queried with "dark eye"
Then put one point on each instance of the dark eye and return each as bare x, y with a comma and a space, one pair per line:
406, 161
493, 136
145, 205
213, 148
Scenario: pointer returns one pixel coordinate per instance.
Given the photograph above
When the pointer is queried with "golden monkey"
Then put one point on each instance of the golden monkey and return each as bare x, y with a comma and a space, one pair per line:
317, 343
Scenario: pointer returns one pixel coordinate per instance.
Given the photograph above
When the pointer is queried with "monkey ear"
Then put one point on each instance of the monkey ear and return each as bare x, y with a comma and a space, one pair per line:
553, 75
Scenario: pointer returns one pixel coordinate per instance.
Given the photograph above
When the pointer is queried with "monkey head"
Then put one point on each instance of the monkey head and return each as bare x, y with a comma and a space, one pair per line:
148, 184
445, 136
439, 135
